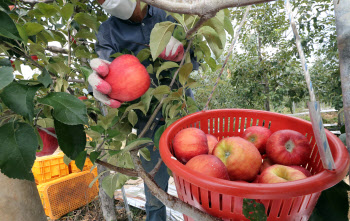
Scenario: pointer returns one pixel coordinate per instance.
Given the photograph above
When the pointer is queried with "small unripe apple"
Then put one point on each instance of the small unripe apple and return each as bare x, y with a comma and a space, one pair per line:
50, 143
128, 78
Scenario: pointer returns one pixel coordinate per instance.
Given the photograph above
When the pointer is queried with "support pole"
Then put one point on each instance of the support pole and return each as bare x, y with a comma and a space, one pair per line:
342, 18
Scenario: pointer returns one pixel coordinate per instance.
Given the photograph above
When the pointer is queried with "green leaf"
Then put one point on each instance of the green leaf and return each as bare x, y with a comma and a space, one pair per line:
71, 138
144, 54
18, 147
22, 33
145, 153
8, 28
94, 155
46, 9
67, 11
80, 160
253, 210
158, 134
32, 28
86, 71
86, 19
160, 37
67, 108
333, 204
109, 184
6, 76
146, 99
185, 72
45, 122
161, 90
66, 160
342, 137
136, 143
5, 62
166, 66
213, 39
228, 26
132, 117
20, 99
115, 55
45, 78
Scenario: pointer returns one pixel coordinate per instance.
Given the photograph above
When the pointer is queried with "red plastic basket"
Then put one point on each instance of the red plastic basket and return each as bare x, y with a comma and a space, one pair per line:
289, 201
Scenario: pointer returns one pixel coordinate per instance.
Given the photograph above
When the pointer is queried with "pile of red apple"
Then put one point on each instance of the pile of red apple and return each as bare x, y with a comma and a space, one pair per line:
259, 156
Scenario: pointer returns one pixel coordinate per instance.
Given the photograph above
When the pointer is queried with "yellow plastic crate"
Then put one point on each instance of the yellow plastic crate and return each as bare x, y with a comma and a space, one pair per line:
68, 193
48, 168
87, 166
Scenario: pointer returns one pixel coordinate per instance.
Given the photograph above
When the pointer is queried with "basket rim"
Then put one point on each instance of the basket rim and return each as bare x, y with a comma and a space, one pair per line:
313, 184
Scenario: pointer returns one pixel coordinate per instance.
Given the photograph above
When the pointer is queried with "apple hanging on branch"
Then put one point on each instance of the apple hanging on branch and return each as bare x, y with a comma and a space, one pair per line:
50, 143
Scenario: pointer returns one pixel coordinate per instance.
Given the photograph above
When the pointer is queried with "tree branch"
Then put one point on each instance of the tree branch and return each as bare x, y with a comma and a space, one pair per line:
199, 24
200, 8
125, 171
33, 2
156, 168
56, 49
168, 200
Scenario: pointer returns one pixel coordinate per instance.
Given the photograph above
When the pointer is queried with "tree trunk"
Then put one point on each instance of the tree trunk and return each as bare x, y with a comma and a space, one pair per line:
20, 200
342, 18
107, 203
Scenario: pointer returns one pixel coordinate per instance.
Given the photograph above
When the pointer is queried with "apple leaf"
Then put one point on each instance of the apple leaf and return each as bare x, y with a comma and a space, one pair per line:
165, 66
145, 153
160, 37
213, 39
71, 138
135, 143
144, 54
146, 99
333, 204
18, 147
45, 78
109, 184
158, 134
68, 109
80, 160
185, 72
132, 117
66, 160
253, 210
67, 11
86, 19
6, 76
33, 28
8, 28
94, 155
47, 10
20, 98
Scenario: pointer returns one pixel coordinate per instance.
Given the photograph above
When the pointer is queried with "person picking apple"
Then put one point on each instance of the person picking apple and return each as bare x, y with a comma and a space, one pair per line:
128, 29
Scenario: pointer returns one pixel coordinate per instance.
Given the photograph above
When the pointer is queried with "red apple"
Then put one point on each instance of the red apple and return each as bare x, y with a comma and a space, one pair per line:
11, 7
50, 143
241, 158
279, 173
189, 143
82, 98
212, 141
302, 169
257, 135
288, 147
209, 165
13, 64
265, 164
128, 78
34, 57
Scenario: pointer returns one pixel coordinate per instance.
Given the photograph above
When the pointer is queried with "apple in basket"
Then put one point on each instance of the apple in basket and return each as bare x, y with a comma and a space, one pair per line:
257, 135
240, 156
288, 147
212, 141
189, 143
209, 165
280, 173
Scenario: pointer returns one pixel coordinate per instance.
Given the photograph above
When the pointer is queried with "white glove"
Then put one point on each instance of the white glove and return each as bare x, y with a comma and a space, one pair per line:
100, 87
122, 9
174, 51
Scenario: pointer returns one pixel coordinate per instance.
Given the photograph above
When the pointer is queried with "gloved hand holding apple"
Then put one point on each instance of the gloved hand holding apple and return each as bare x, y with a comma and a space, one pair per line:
174, 51
123, 79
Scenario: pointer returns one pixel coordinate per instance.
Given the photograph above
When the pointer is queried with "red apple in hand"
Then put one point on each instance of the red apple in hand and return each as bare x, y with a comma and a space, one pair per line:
50, 143
128, 78
257, 135
302, 169
209, 165
241, 158
279, 173
212, 141
189, 143
288, 147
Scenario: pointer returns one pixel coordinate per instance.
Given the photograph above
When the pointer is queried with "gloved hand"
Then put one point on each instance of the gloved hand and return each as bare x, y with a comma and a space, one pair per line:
99, 86
174, 51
